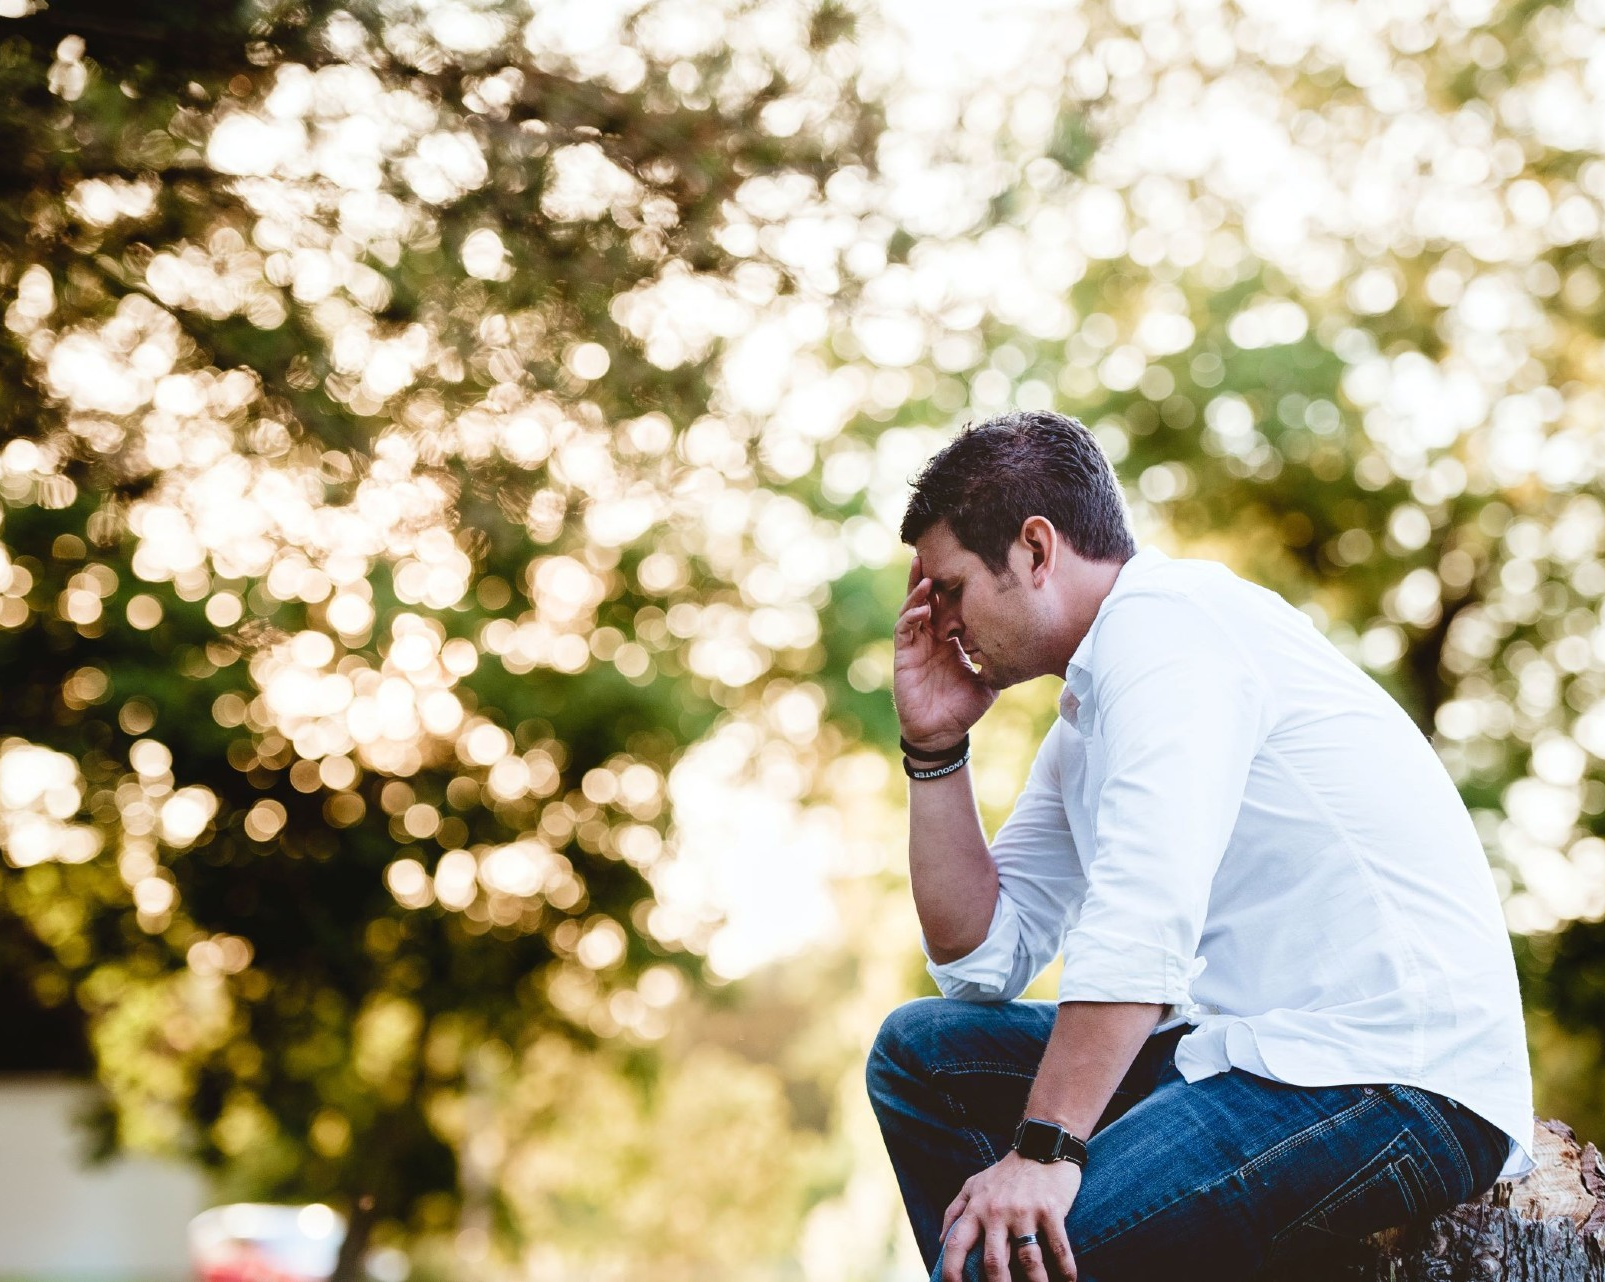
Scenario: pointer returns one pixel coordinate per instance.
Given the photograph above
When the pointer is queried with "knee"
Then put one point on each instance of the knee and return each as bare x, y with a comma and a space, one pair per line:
905, 1032
900, 1047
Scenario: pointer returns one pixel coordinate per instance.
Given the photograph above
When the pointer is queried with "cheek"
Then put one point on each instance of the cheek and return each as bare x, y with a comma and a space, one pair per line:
1015, 624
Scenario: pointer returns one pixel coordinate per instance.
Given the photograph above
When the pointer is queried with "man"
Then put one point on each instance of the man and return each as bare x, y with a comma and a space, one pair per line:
1288, 1015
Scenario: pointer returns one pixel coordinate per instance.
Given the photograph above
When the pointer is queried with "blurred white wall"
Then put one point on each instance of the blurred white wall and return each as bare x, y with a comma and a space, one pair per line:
62, 1220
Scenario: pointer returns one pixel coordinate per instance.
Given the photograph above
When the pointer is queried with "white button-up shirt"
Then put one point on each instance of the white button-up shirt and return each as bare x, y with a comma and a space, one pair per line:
1232, 820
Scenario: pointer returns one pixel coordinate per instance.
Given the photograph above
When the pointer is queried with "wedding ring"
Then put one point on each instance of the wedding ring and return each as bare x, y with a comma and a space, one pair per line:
1025, 1239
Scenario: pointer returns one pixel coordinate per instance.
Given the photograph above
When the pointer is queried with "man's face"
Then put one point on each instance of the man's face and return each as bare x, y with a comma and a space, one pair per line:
989, 614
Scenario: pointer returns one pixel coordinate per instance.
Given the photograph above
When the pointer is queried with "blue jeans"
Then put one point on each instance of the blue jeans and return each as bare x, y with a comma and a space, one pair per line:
1217, 1178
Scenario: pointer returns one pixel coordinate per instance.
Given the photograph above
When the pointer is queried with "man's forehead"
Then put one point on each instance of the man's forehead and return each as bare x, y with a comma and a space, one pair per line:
941, 554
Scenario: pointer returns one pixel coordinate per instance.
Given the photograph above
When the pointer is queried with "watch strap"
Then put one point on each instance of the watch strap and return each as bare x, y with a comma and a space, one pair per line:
1044, 1141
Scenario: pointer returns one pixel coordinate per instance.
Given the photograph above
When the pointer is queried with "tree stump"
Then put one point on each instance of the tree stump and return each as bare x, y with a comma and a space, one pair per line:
1548, 1226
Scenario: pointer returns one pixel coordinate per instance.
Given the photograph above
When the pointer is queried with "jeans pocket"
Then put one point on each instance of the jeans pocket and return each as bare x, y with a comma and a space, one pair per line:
1391, 1189
986, 1098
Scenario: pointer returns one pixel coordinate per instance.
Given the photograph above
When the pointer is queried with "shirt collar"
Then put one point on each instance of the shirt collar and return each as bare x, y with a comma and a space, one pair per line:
1138, 567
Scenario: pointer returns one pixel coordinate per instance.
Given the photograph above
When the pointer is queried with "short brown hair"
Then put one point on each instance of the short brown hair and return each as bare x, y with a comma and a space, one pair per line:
995, 474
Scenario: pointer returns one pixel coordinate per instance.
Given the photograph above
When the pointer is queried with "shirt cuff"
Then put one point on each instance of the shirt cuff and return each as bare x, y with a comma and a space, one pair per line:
988, 966
1101, 967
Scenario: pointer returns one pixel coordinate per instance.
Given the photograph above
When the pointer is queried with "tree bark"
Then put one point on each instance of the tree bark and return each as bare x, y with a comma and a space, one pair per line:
353, 1248
1548, 1226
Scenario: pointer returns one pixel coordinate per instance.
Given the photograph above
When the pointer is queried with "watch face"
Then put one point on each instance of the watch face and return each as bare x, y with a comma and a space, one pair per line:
1037, 1140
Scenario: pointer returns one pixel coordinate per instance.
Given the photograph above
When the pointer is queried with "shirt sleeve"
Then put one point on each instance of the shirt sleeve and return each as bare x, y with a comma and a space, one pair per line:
1039, 885
1179, 713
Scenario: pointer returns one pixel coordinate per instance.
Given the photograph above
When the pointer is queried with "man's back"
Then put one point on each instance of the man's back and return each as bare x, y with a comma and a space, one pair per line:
1353, 917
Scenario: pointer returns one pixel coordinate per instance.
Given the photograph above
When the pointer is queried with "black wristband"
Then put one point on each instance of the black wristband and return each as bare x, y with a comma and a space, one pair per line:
937, 771
942, 756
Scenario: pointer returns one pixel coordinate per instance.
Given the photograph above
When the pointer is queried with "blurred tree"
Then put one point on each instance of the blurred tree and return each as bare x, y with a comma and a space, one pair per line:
374, 540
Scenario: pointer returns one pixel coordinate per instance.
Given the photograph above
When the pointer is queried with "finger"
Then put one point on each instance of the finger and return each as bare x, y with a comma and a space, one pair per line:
954, 1209
920, 591
909, 622
1058, 1245
957, 1248
1030, 1257
995, 1255
914, 572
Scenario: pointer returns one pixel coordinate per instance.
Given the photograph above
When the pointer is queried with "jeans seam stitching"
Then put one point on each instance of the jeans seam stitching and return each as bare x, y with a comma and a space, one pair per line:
1445, 1133
975, 1065
1386, 1170
1363, 1105
976, 1134
978, 1137
1414, 1182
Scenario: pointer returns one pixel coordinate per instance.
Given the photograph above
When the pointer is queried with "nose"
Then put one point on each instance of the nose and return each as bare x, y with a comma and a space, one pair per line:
945, 618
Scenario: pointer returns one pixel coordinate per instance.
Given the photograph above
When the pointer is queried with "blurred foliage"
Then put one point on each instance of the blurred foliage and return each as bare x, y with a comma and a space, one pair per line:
373, 543
452, 452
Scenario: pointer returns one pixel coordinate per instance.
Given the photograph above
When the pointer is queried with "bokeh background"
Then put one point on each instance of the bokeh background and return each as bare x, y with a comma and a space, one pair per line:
451, 460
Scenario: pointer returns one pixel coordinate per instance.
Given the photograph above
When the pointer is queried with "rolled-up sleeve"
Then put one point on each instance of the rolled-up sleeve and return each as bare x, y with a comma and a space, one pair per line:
1178, 715
1039, 885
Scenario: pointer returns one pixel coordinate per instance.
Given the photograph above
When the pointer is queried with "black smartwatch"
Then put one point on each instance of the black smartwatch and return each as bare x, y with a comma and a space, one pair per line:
1047, 1142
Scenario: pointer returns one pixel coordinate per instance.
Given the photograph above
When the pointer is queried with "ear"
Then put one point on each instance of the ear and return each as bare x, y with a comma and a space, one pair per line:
1041, 542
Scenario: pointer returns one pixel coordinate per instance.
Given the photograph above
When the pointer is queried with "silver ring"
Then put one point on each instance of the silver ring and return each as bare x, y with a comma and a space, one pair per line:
1025, 1239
